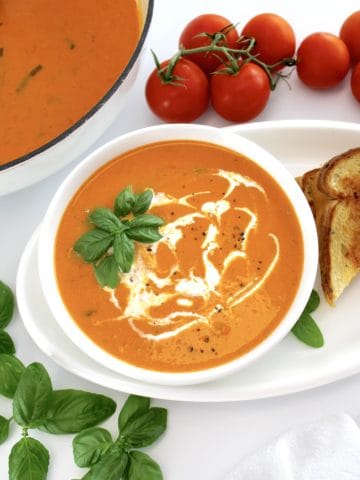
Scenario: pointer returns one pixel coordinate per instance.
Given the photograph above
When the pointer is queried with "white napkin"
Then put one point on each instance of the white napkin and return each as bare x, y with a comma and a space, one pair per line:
325, 450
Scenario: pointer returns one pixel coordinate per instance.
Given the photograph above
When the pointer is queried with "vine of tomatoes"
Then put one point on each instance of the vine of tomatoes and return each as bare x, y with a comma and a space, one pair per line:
236, 72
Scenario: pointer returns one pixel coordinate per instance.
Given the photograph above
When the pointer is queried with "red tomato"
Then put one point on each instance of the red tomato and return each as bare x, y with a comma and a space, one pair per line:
275, 39
242, 96
355, 82
323, 60
183, 100
209, 23
350, 34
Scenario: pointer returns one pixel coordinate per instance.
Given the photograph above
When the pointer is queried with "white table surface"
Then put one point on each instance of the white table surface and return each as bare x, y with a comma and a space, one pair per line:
203, 441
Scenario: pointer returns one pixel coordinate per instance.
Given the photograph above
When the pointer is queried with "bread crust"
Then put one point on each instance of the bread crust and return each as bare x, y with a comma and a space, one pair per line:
340, 176
333, 193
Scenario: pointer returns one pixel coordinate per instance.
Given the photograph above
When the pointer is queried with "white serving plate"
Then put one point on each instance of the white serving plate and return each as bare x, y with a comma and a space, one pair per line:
290, 366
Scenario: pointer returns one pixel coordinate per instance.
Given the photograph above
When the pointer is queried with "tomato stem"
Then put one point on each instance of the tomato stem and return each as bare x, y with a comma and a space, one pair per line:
235, 57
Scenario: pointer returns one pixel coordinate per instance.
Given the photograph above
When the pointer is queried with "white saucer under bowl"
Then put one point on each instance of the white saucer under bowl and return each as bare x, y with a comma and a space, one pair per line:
290, 366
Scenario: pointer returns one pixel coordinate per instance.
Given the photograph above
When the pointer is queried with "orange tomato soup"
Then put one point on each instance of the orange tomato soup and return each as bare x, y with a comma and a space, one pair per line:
219, 281
57, 60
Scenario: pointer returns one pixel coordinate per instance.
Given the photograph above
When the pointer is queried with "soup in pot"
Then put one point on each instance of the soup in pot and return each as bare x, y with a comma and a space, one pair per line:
57, 61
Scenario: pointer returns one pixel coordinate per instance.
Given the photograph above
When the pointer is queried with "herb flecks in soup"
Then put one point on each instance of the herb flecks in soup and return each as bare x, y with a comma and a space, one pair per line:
57, 60
215, 285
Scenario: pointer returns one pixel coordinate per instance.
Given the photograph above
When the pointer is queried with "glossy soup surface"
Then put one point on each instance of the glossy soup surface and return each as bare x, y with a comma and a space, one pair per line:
57, 60
219, 281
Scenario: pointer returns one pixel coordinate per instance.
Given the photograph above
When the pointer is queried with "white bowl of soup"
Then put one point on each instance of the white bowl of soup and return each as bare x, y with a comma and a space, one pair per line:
228, 278
66, 70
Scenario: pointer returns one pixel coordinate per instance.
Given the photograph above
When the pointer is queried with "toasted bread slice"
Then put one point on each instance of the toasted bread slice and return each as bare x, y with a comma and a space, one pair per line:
340, 176
339, 246
306, 183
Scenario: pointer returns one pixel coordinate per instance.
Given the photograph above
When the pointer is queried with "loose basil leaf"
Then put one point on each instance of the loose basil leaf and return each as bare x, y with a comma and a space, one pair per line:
306, 330
7, 304
110, 467
144, 234
142, 202
71, 411
107, 272
146, 220
106, 220
10, 372
143, 467
4, 429
90, 445
29, 460
313, 302
32, 396
124, 252
144, 430
6, 343
134, 407
93, 244
124, 202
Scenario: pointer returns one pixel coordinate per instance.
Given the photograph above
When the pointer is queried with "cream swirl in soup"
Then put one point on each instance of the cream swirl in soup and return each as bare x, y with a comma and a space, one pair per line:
148, 289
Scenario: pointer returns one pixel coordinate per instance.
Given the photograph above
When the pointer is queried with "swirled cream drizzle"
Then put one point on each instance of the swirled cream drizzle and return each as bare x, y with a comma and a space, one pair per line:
147, 290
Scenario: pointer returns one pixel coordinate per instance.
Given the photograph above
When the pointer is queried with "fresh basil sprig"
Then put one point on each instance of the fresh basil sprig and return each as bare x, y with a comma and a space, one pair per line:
110, 246
37, 405
306, 329
139, 426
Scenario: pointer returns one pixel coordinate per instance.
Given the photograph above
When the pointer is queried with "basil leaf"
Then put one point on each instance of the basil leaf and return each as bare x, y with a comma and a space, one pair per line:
306, 330
110, 467
32, 396
71, 411
6, 343
146, 220
143, 467
10, 372
144, 430
93, 244
144, 234
4, 429
90, 445
106, 220
124, 252
124, 202
107, 272
142, 202
7, 304
134, 407
29, 460
313, 302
